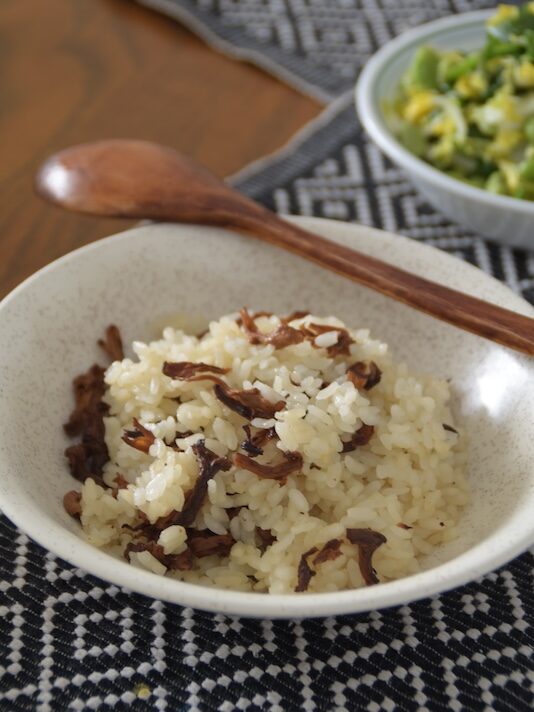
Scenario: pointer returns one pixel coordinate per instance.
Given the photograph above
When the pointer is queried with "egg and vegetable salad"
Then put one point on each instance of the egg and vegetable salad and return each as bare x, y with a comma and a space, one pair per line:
471, 115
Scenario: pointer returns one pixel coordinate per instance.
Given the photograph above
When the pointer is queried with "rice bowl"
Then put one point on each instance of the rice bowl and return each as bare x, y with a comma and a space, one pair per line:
50, 323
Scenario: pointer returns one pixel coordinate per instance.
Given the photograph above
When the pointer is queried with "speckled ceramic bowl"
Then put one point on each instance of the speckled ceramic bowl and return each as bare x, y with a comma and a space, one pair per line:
143, 278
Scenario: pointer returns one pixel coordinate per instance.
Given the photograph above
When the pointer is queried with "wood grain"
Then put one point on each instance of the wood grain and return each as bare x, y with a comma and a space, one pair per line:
80, 70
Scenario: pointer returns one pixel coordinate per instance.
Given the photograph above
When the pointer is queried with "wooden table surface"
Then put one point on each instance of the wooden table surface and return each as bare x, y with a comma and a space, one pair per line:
80, 70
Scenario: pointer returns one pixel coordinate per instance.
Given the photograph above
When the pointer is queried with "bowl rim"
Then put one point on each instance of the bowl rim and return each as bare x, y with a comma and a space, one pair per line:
374, 123
484, 557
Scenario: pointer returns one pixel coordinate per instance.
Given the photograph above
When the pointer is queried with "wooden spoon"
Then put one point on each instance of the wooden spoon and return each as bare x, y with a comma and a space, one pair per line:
137, 179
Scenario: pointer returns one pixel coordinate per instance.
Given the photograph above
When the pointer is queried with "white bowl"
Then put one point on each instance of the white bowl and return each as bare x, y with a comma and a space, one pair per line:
507, 220
142, 278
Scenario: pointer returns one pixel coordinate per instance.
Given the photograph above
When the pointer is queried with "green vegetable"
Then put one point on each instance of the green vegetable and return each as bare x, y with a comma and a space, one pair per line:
423, 71
475, 146
510, 30
529, 44
414, 139
496, 184
471, 114
498, 48
529, 129
457, 70
526, 170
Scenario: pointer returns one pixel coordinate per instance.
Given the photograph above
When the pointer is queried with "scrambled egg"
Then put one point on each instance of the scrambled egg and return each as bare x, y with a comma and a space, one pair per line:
419, 106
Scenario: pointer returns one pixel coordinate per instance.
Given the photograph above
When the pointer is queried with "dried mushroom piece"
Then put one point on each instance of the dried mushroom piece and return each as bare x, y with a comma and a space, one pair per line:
293, 463
367, 541
72, 502
364, 374
199, 544
88, 387
186, 369
249, 445
120, 481
329, 552
88, 457
178, 436
361, 437
111, 344
140, 438
342, 345
256, 315
205, 376
138, 546
253, 445
266, 538
284, 335
180, 562
449, 428
304, 572
232, 512
206, 543
209, 464
298, 314
173, 562
249, 404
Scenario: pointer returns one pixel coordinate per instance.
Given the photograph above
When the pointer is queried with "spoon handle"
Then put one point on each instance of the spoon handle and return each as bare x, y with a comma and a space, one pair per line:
138, 179
462, 310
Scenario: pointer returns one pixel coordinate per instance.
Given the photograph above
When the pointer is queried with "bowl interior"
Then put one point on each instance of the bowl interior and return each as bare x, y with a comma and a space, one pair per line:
154, 275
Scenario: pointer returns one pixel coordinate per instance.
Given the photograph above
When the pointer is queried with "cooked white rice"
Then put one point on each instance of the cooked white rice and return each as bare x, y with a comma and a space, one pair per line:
407, 483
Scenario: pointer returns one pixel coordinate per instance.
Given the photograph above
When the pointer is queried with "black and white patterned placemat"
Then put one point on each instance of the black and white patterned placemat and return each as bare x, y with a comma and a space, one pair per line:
318, 46
72, 642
